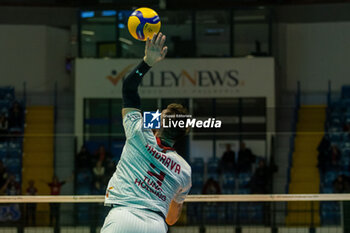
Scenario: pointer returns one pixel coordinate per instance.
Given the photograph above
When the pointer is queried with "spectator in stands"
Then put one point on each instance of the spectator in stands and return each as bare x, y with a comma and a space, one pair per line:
102, 155
245, 158
3, 174
260, 180
11, 186
228, 160
341, 185
16, 116
83, 159
324, 144
3, 127
323, 152
31, 207
335, 155
99, 177
55, 189
211, 187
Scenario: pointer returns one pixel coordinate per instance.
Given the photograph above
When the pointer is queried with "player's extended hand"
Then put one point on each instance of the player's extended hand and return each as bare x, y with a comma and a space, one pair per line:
155, 50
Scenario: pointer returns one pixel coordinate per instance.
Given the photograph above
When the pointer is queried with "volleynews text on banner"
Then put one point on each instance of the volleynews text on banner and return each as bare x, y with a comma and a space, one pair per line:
188, 78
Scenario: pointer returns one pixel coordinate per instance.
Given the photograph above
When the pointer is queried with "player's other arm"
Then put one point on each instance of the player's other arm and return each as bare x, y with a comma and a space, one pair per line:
173, 213
175, 207
155, 51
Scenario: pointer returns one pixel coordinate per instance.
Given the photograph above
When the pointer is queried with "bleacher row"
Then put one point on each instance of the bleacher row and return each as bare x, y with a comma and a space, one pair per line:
11, 142
84, 177
230, 183
338, 117
11, 156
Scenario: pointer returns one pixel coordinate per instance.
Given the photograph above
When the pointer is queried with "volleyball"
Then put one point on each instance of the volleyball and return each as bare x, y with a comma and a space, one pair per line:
143, 23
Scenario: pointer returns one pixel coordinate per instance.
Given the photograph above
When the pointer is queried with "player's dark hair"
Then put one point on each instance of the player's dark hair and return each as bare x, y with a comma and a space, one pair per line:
175, 112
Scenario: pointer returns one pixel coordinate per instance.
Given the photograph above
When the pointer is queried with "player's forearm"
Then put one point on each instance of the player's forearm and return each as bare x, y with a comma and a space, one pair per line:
173, 213
131, 98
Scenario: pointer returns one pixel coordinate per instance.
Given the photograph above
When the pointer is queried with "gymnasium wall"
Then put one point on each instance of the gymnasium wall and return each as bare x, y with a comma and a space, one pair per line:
313, 53
35, 55
51, 16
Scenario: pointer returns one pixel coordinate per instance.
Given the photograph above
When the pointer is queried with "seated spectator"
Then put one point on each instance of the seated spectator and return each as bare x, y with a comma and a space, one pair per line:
99, 176
324, 144
323, 154
211, 187
341, 185
3, 174
16, 116
3, 127
260, 179
31, 207
11, 186
228, 160
101, 155
83, 159
245, 158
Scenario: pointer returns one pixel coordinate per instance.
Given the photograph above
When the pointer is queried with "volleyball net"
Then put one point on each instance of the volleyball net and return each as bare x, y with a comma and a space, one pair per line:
201, 213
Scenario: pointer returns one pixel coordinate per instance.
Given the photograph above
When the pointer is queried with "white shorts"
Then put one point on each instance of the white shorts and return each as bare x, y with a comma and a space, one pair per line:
124, 219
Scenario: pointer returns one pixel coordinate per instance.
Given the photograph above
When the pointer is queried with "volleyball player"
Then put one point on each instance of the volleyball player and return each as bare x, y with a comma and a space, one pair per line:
151, 181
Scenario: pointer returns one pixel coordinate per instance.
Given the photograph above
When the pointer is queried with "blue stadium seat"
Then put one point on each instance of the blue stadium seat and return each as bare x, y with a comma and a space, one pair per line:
345, 145
195, 191
250, 213
345, 163
14, 169
329, 177
214, 176
228, 190
7, 93
330, 213
84, 190
92, 146
14, 145
335, 129
116, 149
210, 211
197, 181
213, 165
4, 111
195, 213
5, 104
345, 92
3, 153
243, 191
229, 183
327, 189
336, 107
345, 152
83, 211
197, 166
243, 179
336, 137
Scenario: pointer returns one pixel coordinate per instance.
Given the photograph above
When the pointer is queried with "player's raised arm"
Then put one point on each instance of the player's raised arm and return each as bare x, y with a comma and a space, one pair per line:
155, 51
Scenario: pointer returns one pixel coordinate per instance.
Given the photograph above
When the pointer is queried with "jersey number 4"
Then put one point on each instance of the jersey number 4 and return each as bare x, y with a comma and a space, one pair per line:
160, 175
